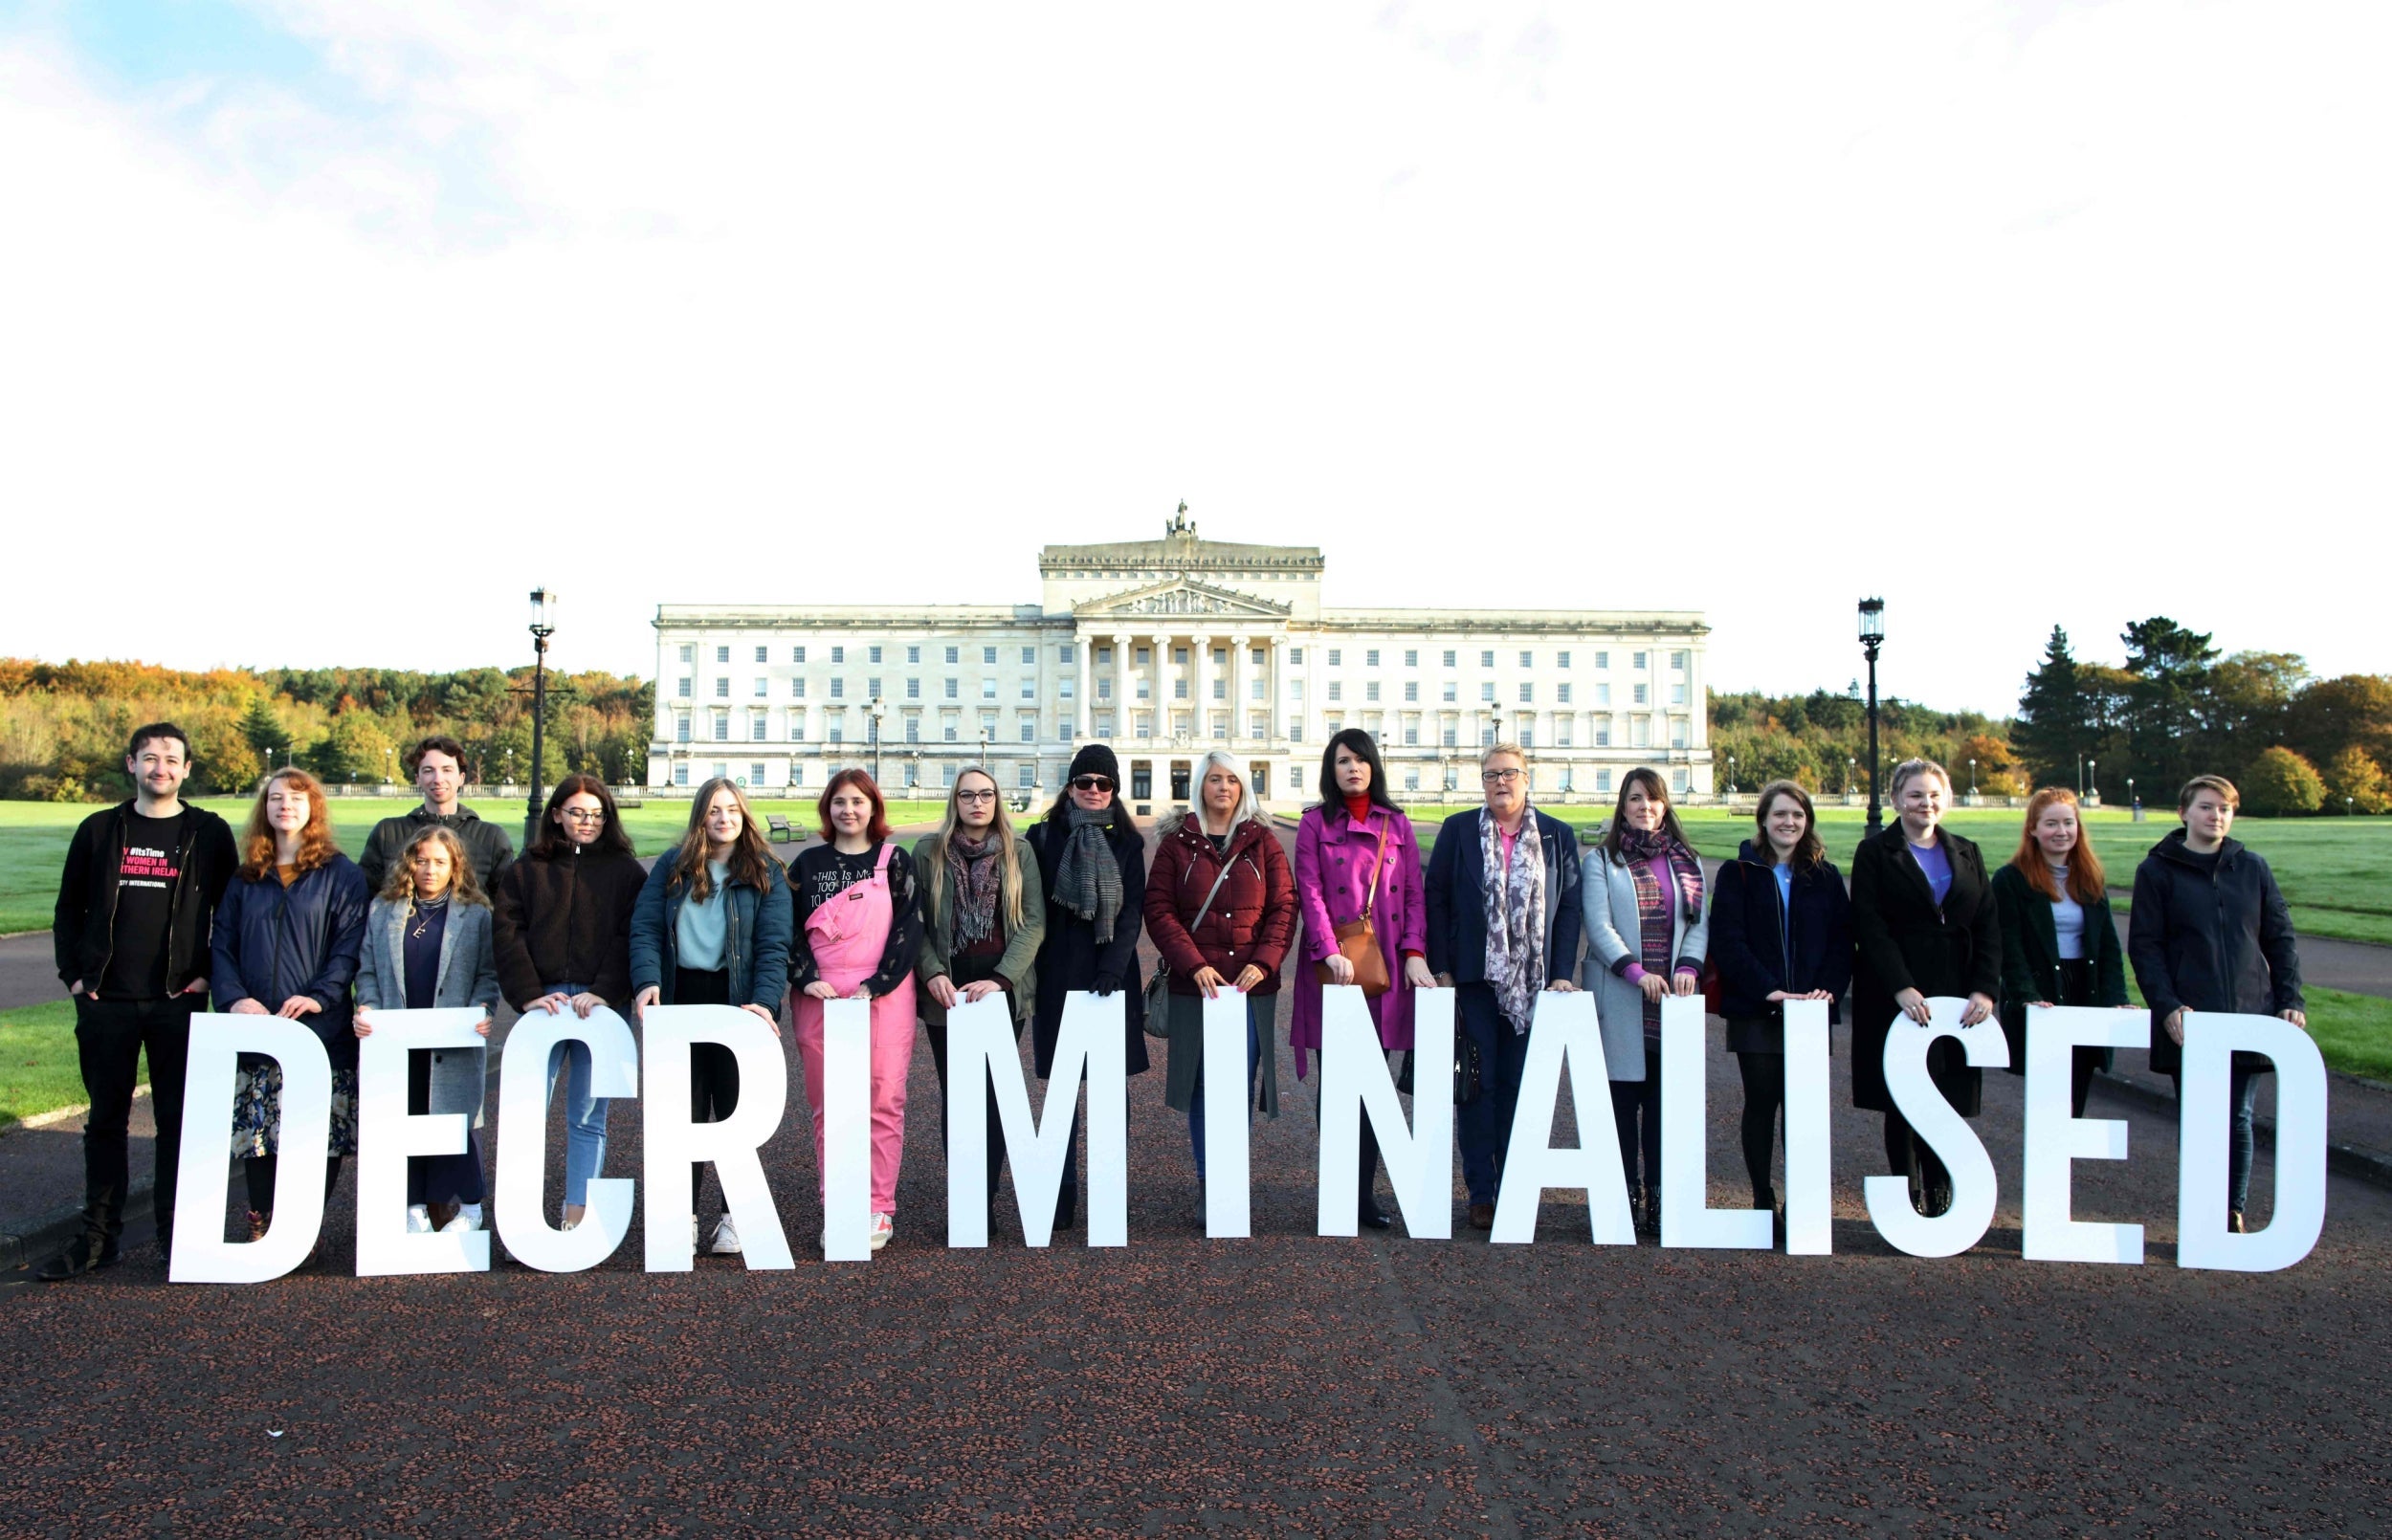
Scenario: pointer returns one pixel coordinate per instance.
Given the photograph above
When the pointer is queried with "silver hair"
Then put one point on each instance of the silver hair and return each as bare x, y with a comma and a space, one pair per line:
1248, 809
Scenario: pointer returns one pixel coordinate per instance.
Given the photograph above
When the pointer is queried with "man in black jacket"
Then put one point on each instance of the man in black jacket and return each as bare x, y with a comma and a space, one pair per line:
438, 765
131, 935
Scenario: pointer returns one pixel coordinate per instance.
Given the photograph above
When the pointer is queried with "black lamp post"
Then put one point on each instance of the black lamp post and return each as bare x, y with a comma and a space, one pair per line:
543, 626
876, 710
1871, 638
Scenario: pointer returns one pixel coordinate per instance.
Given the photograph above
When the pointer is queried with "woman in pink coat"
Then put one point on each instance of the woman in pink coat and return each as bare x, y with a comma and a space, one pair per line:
1355, 849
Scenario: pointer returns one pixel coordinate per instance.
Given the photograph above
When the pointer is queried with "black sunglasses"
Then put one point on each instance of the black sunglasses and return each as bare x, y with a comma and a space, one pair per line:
1091, 782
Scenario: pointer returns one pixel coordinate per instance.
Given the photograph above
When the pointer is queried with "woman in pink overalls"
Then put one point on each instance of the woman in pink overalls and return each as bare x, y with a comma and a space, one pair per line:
858, 931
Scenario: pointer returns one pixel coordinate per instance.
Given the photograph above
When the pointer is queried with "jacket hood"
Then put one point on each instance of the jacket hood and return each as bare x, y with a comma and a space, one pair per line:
1745, 851
2171, 847
1184, 823
462, 815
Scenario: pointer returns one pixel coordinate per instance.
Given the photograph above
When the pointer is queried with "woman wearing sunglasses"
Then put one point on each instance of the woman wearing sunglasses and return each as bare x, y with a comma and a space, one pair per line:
1092, 862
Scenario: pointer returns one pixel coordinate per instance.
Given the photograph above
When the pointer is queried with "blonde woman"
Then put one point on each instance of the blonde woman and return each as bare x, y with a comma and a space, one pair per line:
984, 916
428, 945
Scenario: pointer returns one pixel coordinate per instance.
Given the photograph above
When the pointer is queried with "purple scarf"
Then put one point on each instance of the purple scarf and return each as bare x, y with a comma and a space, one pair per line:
1640, 846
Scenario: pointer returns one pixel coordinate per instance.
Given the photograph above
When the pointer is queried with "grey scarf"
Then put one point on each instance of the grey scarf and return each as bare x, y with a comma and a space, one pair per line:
1088, 880
1516, 916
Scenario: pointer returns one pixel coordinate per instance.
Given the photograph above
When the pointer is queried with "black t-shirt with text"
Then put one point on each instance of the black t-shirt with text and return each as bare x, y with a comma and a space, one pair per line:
143, 907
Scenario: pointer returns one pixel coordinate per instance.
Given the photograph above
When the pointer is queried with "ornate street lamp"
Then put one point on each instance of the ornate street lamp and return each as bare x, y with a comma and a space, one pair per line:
1871, 638
878, 709
543, 626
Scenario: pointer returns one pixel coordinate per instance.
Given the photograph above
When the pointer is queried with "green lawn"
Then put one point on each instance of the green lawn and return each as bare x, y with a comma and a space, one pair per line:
39, 1071
33, 836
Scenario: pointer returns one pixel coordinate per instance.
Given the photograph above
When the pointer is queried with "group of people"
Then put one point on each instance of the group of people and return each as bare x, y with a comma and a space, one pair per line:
163, 908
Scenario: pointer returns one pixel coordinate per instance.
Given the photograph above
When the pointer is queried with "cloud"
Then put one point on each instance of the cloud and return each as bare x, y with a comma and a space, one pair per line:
1750, 309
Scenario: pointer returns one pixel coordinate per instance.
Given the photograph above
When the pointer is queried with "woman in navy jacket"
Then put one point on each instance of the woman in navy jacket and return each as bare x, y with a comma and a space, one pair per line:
286, 942
1781, 930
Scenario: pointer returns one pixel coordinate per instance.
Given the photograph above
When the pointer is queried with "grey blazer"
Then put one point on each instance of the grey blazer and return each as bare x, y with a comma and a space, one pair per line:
469, 975
1614, 931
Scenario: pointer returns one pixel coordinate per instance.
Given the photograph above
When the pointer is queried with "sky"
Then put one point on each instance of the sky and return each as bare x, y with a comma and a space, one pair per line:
332, 328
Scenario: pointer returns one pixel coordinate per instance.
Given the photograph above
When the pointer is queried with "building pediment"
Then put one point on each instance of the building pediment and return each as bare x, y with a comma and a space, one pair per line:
1181, 596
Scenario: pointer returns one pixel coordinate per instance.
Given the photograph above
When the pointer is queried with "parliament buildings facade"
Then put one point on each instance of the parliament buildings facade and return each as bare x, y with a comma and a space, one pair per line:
1164, 649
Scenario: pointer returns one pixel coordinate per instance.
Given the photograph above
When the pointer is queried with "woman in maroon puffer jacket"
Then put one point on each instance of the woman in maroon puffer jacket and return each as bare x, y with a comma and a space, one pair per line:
1238, 944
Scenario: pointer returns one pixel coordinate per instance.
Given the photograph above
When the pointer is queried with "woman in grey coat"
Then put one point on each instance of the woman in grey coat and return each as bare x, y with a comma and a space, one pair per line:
429, 945
1647, 929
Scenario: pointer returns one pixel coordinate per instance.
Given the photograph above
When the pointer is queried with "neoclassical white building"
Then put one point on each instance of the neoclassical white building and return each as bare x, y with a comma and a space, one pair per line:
1164, 649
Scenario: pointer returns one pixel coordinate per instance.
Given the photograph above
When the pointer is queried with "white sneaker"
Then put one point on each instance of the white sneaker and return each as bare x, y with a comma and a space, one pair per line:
693, 1242
883, 1226
726, 1238
468, 1218
418, 1219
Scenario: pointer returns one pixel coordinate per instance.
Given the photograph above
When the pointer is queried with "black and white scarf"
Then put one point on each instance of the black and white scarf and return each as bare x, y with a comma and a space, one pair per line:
1516, 916
1088, 880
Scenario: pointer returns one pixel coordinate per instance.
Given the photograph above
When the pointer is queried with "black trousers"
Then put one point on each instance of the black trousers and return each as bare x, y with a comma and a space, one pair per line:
453, 1178
1764, 1097
946, 1101
1636, 1112
714, 1069
110, 1037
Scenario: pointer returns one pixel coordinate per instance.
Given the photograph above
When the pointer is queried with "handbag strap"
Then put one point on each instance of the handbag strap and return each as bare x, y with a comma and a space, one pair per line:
1378, 863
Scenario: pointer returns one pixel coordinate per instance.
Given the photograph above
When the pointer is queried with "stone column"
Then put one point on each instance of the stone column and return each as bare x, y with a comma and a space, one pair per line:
1239, 706
1121, 687
1157, 677
1083, 683
1199, 687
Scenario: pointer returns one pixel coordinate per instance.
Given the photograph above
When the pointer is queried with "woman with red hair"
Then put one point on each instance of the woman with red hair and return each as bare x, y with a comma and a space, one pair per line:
287, 937
2059, 946
859, 931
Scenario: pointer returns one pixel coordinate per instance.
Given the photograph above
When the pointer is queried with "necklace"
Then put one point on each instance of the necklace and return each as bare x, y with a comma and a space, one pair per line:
426, 909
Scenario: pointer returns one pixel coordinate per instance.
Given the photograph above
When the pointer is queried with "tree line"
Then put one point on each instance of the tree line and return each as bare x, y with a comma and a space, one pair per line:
63, 726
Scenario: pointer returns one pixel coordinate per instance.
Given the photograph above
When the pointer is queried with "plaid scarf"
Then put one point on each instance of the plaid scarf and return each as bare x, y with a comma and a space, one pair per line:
1516, 916
973, 869
1088, 879
1638, 845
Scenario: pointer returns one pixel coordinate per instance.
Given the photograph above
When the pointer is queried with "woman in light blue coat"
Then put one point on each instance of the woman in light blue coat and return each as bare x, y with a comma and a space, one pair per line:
1647, 929
429, 945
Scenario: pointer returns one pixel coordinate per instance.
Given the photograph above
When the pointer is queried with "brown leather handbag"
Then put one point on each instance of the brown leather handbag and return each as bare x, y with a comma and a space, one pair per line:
1359, 944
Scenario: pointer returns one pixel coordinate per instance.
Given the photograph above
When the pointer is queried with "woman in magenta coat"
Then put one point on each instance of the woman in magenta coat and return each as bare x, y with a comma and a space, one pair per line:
1339, 848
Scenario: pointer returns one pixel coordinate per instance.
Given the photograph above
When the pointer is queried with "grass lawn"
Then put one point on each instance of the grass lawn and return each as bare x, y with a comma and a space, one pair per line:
33, 836
39, 1070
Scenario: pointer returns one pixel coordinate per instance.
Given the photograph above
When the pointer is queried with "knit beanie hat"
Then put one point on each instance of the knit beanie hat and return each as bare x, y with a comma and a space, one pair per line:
1095, 760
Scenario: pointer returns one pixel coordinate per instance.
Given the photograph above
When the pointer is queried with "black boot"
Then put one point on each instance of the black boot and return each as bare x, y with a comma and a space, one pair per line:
1652, 1212
88, 1252
1368, 1215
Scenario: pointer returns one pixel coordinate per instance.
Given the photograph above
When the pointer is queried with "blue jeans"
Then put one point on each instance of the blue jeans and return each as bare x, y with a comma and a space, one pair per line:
1484, 1126
1255, 1004
584, 1115
2241, 1088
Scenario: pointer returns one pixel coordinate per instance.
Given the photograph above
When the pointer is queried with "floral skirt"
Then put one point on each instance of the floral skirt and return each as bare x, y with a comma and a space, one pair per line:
257, 1110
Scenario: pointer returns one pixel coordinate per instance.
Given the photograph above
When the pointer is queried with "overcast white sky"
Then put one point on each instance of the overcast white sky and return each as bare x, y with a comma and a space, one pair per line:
331, 328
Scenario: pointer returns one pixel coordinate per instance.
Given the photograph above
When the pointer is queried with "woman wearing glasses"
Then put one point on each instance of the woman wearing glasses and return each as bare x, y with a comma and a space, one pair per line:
1357, 888
984, 916
1646, 931
1092, 862
859, 933
563, 934
1503, 928
1221, 906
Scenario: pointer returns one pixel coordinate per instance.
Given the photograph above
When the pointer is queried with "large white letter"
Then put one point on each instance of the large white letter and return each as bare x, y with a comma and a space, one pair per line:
2055, 1137
673, 1144
1687, 1218
845, 1130
1944, 1130
1227, 1179
2211, 1039
1563, 1031
201, 1254
1809, 1197
980, 1039
522, 1214
386, 1135
1355, 1084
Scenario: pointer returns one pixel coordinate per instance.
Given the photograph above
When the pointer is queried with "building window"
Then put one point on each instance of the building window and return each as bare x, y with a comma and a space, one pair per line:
1296, 730
1603, 693
1561, 739
1412, 735
1178, 689
723, 727
1528, 735
1028, 776
1678, 781
797, 654
912, 727
797, 775
1255, 656
1179, 655
1029, 690
1259, 726
952, 687
681, 688
913, 690
1063, 653
689, 652
1562, 695
757, 729
1449, 691
872, 654
1602, 732
1638, 662
1603, 781
1677, 693
913, 654
756, 773
839, 654
1295, 657
680, 774
797, 729
838, 690
1411, 778
1104, 654
1641, 691
1029, 731
838, 730
1336, 689
1220, 688
1449, 658
723, 654
1220, 657
1412, 689
955, 654
1448, 735
1030, 656
1677, 732
1411, 657
1221, 725
987, 654
797, 690
871, 687
1486, 660
1370, 658
1639, 733
722, 689
1528, 693
761, 685
948, 731
1528, 660
1143, 724
1140, 656
1370, 689
1063, 688
1296, 689
1254, 690
1603, 660
1677, 661
1486, 691
681, 728
1486, 735
1104, 689
987, 690
1561, 660
1337, 657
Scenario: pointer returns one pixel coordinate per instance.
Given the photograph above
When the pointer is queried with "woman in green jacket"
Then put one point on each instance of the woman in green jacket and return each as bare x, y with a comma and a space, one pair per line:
2059, 945
984, 916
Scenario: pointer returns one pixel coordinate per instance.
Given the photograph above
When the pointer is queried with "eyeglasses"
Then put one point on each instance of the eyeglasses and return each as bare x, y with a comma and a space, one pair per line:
1498, 778
1091, 782
985, 795
585, 815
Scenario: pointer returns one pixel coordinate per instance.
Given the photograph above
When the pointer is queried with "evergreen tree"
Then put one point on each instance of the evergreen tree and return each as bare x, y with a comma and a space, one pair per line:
2056, 722
2168, 719
263, 731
